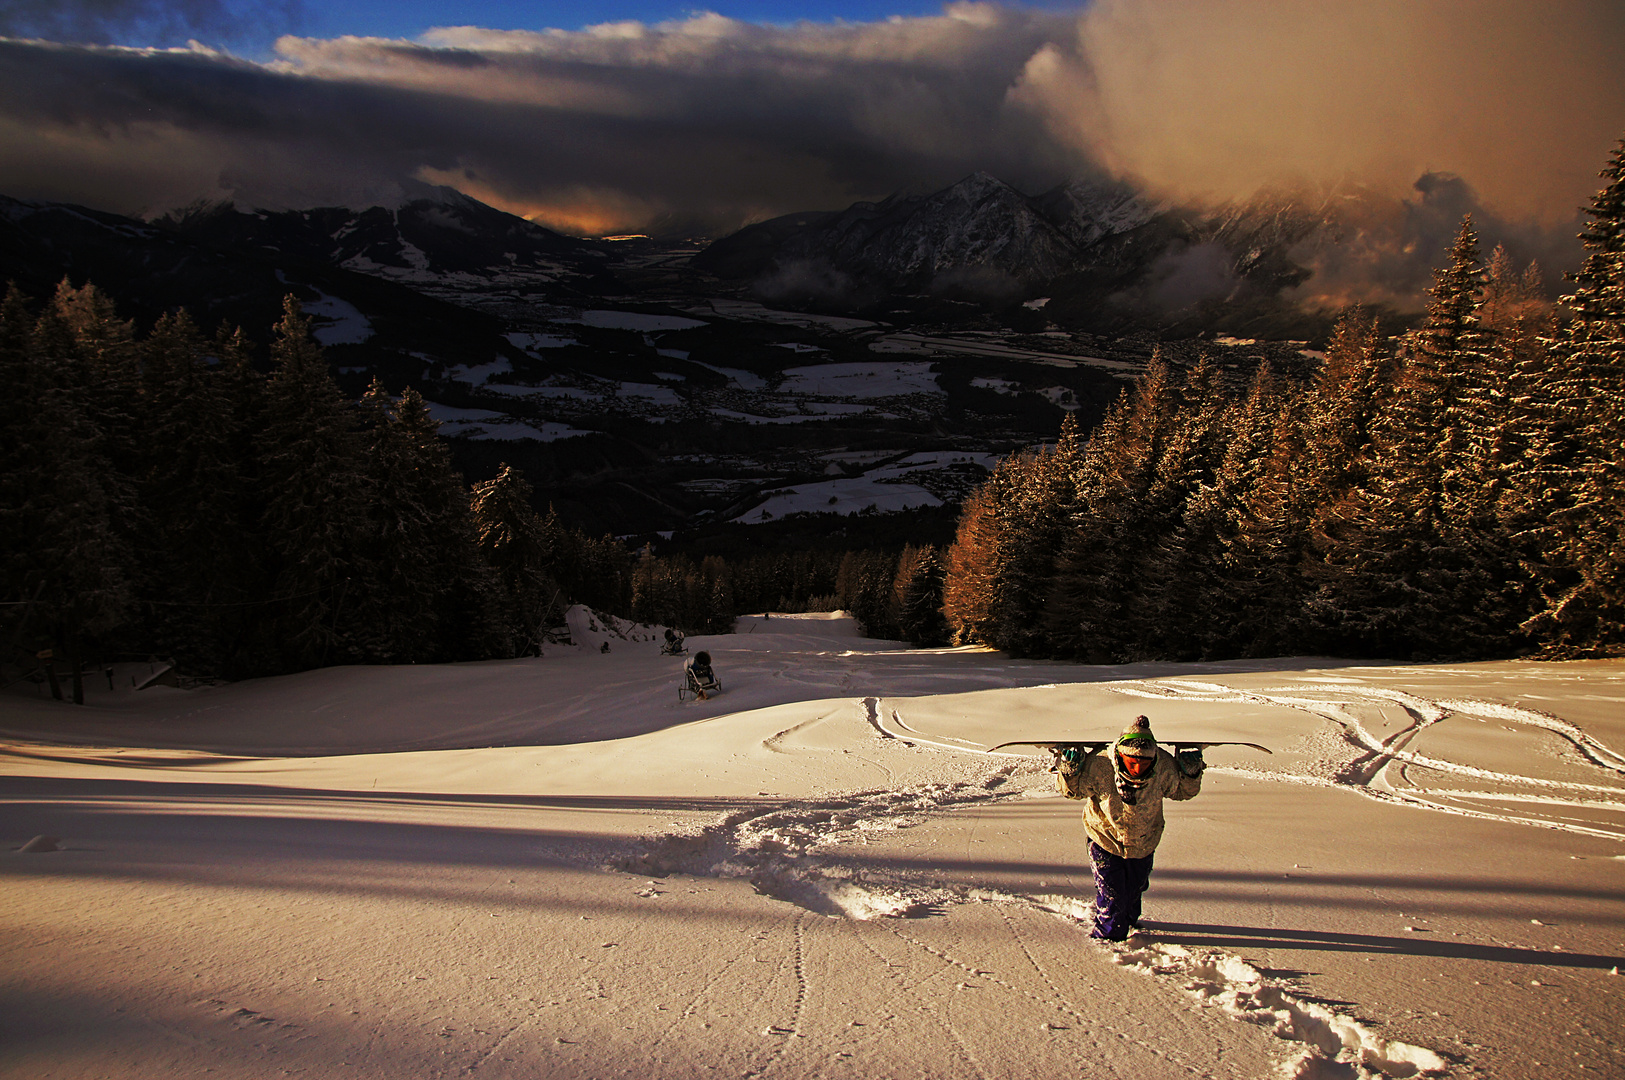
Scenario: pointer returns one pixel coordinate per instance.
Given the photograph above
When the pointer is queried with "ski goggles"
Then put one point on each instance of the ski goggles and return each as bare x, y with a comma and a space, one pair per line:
1136, 768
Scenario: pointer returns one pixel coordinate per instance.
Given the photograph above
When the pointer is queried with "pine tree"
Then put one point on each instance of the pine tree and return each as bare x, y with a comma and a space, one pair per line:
61, 501
1094, 612
1042, 497
429, 594
511, 538
717, 578
316, 499
968, 590
1250, 588
1350, 391
917, 594
1420, 566
200, 562
1577, 483
1175, 571
863, 587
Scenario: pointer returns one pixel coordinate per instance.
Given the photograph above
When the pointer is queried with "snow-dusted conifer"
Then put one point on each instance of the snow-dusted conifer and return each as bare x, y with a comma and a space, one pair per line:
1578, 486
1040, 493
316, 498
510, 537
967, 593
428, 592
863, 586
1256, 604
1094, 593
62, 500
917, 595
1417, 563
1180, 545
201, 560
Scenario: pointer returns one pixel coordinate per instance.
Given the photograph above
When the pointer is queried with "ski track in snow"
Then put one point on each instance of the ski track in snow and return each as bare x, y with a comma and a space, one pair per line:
1379, 768
778, 849
786, 852
781, 850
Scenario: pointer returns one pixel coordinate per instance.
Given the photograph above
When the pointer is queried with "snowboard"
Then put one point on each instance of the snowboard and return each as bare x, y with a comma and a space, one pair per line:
1096, 746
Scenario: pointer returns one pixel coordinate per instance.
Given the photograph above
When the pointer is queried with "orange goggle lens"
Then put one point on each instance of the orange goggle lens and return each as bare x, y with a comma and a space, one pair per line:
1137, 767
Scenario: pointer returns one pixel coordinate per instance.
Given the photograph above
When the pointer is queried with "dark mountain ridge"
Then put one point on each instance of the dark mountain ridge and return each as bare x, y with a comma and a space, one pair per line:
445, 232
1101, 255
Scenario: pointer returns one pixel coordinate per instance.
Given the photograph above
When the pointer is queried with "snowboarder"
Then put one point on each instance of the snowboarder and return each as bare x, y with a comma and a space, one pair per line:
1123, 792
701, 678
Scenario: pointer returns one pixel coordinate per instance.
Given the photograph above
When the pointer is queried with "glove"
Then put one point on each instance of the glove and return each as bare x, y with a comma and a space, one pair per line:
1067, 759
1190, 762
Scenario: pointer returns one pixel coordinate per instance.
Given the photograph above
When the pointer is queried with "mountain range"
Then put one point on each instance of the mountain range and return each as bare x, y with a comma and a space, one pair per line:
873, 359
1107, 256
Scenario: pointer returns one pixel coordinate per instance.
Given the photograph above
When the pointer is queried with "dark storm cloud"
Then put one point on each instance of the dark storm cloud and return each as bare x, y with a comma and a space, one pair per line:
707, 122
165, 21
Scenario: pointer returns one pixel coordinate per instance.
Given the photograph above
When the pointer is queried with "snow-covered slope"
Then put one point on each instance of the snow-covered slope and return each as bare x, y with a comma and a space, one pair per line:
553, 867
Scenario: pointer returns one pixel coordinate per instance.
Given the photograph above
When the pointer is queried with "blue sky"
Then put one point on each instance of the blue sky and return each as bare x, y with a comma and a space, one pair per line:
408, 18
250, 26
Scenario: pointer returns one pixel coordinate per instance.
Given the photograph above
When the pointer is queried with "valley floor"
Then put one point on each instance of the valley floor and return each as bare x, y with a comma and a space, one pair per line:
552, 867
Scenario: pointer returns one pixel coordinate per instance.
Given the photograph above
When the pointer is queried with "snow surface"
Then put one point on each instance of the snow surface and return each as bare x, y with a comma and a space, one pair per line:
632, 320
477, 374
752, 311
967, 345
660, 395
884, 489
551, 867
741, 378
845, 496
876, 380
998, 386
337, 321
460, 423
815, 410
533, 342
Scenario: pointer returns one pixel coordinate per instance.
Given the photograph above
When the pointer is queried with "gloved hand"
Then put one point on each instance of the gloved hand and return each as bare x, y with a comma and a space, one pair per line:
1067, 759
1190, 761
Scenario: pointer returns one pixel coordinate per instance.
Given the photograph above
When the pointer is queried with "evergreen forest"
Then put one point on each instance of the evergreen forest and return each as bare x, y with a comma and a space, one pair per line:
1457, 492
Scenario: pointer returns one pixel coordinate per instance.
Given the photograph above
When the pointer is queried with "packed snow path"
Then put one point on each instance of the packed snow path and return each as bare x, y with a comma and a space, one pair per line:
552, 866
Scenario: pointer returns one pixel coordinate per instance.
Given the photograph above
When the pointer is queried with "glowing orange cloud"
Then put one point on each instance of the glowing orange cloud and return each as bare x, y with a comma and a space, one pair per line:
577, 212
1219, 98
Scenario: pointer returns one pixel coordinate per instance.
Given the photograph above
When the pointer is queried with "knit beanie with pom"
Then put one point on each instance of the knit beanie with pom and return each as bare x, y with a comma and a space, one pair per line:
1137, 740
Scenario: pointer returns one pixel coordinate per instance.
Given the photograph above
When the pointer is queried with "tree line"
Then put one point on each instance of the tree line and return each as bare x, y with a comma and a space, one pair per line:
162, 497
892, 594
1456, 493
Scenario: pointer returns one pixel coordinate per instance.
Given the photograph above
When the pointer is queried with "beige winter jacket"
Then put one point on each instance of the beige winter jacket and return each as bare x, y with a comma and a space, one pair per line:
1131, 832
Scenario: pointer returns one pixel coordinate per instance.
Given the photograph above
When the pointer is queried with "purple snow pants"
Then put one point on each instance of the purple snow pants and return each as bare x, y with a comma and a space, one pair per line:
1118, 885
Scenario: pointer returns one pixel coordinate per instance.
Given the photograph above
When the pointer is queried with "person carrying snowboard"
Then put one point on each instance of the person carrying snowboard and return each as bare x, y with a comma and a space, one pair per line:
1123, 790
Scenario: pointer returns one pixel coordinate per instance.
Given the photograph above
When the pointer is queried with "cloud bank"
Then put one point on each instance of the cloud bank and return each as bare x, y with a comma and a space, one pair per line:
707, 123
1222, 97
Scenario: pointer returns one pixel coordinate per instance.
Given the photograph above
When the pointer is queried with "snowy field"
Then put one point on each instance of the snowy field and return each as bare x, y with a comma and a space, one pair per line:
551, 867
